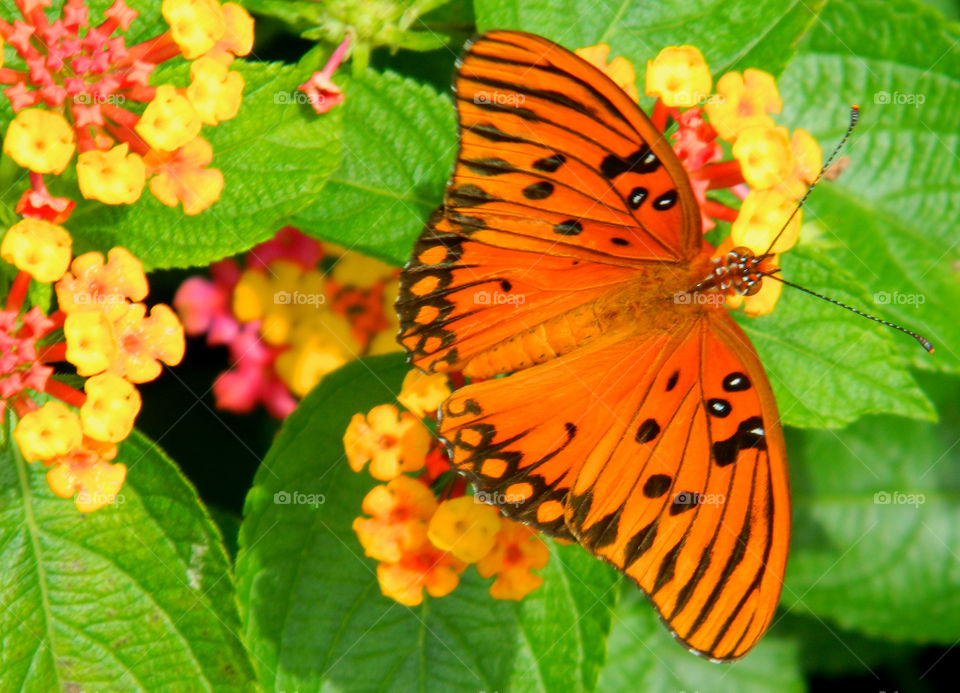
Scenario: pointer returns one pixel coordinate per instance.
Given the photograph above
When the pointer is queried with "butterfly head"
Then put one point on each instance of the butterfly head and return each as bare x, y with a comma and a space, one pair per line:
736, 272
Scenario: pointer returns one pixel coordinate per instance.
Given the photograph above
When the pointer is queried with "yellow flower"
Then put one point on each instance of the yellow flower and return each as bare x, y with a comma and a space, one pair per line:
196, 25
40, 141
679, 76
620, 70
86, 472
91, 346
181, 176
214, 91
762, 216
252, 295
400, 511
765, 156
391, 441
761, 303
465, 527
144, 342
361, 271
327, 345
92, 285
808, 158
115, 176
518, 551
112, 406
48, 432
39, 248
422, 393
743, 102
169, 121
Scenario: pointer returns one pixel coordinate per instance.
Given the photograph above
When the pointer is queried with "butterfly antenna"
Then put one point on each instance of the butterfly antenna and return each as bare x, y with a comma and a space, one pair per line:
854, 117
924, 342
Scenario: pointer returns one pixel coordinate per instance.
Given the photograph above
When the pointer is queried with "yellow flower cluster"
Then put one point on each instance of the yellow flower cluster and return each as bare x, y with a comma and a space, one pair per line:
774, 167
110, 340
119, 150
420, 542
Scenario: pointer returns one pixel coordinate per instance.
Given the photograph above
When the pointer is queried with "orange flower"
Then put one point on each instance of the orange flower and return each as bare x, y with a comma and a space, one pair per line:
620, 70
517, 552
391, 441
400, 511
426, 567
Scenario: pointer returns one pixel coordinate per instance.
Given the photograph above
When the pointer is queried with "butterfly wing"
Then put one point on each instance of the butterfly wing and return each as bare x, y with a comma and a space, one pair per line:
690, 495
661, 453
558, 170
552, 149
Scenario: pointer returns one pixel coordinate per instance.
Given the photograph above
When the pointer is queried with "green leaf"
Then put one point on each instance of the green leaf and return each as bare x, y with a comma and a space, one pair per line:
398, 150
828, 366
731, 34
312, 609
135, 596
876, 517
644, 657
275, 156
891, 214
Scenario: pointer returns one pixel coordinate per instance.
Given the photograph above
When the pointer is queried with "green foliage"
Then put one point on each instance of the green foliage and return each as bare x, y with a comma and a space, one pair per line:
136, 596
360, 640
141, 596
393, 170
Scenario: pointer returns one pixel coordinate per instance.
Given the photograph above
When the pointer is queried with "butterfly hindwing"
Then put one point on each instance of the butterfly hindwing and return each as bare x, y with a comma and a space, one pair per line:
691, 499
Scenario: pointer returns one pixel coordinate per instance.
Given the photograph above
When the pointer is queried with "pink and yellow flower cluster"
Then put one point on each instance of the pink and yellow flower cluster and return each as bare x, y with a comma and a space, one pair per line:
295, 310
105, 332
422, 542
770, 169
77, 88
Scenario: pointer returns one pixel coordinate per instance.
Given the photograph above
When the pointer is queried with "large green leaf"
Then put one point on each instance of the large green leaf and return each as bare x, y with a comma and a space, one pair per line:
275, 157
828, 366
890, 216
135, 596
398, 149
730, 33
313, 613
644, 657
876, 517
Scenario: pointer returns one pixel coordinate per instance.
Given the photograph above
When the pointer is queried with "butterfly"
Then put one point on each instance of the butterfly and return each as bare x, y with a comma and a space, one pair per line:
609, 403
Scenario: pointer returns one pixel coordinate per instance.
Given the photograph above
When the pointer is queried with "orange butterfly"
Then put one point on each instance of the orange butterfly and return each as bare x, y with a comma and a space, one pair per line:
638, 420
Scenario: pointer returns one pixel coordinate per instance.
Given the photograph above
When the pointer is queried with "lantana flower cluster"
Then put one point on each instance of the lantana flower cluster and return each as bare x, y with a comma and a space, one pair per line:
78, 87
770, 169
293, 311
104, 330
422, 541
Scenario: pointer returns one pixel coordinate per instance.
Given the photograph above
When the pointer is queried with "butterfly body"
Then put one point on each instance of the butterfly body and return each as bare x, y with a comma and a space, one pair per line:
636, 417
